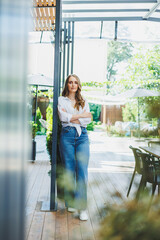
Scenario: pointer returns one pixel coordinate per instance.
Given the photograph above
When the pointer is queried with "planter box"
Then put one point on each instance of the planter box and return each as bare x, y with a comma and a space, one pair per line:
33, 150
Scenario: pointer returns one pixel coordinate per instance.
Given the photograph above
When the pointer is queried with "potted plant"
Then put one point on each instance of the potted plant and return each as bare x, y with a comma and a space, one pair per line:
131, 220
34, 131
59, 168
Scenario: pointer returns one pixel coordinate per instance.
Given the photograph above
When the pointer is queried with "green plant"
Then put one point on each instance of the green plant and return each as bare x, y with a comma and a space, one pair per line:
117, 132
131, 220
59, 165
33, 127
152, 107
95, 110
90, 126
38, 117
129, 112
49, 118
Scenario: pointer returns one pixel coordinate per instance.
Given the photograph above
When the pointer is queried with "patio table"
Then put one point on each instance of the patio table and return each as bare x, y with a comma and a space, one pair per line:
154, 151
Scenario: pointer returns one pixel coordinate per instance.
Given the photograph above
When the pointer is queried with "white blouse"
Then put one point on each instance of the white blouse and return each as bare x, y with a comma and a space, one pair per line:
65, 117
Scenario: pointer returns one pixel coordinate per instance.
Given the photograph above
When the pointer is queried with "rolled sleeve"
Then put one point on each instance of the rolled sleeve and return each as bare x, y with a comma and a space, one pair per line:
63, 116
85, 121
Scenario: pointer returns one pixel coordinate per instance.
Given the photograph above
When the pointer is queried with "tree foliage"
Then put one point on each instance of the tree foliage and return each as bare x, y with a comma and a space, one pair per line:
143, 70
38, 117
130, 111
117, 52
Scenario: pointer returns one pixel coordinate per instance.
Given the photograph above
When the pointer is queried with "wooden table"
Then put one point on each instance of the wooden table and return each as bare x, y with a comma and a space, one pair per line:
152, 150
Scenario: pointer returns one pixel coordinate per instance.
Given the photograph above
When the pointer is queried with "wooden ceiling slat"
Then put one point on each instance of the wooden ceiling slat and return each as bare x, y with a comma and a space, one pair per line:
43, 17
46, 14
49, 25
38, 18
45, 3
34, 3
50, 2
40, 3
36, 24
37, 27
52, 15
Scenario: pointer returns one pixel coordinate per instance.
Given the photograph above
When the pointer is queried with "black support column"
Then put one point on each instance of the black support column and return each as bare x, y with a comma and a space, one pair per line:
72, 50
68, 50
55, 102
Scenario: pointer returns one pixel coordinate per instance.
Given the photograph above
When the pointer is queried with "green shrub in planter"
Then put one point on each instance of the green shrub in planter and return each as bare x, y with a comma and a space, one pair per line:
131, 221
33, 127
49, 117
59, 168
38, 116
90, 126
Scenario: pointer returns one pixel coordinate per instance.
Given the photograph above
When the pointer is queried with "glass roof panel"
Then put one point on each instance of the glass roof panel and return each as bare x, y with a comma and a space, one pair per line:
34, 37
156, 15
104, 14
108, 6
108, 30
87, 29
48, 36
139, 31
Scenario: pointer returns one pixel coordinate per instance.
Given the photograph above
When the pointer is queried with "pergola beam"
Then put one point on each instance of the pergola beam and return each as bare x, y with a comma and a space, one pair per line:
152, 10
96, 19
105, 19
108, 1
153, 19
105, 10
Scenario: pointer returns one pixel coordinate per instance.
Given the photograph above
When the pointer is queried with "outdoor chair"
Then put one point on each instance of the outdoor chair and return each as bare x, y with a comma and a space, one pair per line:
149, 168
138, 166
150, 172
154, 143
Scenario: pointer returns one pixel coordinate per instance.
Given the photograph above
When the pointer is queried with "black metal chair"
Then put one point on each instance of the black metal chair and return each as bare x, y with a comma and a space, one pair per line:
149, 169
138, 166
154, 143
150, 173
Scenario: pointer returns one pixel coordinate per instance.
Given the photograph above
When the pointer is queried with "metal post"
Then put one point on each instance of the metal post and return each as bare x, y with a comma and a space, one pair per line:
60, 71
138, 120
101, 29
116, 30
72, 53
55, 102
68, 52
41, 37
64, 51
35, 116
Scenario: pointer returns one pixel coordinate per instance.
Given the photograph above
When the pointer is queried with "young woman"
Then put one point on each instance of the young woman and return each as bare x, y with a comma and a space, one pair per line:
74, 115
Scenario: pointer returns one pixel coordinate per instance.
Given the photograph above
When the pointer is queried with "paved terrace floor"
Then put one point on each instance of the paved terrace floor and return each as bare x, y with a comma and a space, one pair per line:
110, 169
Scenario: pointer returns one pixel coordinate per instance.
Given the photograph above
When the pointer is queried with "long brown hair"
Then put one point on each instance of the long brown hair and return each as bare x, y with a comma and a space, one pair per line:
78, 97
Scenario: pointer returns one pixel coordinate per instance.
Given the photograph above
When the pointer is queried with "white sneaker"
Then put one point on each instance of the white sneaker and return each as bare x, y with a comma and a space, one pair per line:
83, 216
70, 209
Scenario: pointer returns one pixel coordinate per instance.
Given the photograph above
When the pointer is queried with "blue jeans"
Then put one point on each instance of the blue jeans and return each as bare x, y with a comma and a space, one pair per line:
74, 152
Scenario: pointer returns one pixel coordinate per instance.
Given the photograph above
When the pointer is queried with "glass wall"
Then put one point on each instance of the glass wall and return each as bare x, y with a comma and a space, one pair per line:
14, 26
